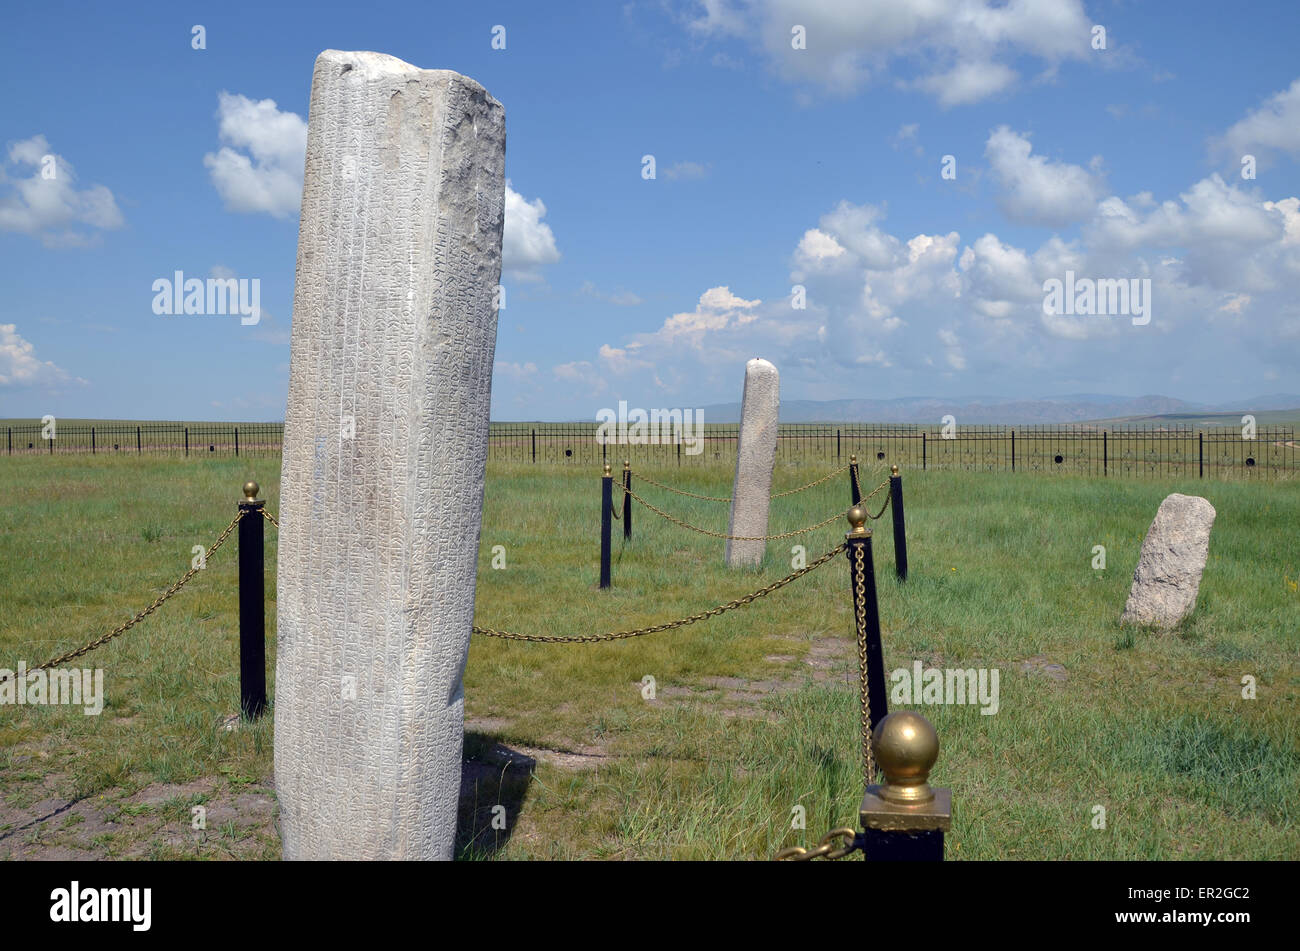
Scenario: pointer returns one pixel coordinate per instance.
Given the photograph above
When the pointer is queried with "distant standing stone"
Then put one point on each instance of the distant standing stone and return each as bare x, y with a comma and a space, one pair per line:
755, 457
1173, 557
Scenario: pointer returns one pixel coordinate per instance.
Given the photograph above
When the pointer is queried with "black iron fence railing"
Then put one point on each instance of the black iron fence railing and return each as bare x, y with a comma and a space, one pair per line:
1134, 451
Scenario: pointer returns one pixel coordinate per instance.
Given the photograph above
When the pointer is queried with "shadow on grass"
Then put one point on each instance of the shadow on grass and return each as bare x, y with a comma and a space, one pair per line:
494, 781
54, 813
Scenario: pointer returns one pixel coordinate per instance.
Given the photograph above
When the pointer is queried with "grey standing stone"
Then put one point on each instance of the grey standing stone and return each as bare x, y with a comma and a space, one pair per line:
1169, 569
755, 457
385, 444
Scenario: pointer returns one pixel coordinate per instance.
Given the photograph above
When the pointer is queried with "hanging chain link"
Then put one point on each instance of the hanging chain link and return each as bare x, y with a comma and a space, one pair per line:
853, 841
669, 625
122, 629
829, 475
825, 849
705, 498
869, 495
737, 538
884, 505
718, 498
270, 518
860, 621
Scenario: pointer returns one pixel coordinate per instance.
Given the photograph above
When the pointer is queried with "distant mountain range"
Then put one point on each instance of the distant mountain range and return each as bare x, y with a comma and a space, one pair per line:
1079, 407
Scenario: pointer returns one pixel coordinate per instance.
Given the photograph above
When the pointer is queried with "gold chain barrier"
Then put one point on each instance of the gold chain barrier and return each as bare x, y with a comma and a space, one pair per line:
668, 625
860, 622
829, 475
704, 498
718, 498
122, 629
757, 538
825, 849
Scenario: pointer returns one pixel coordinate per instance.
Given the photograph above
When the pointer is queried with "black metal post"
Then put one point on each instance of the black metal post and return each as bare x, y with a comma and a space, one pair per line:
859, 539
922, 450
534, 445
606, 513
627, 500
252, 605
855, 487
1105, 454
1013, 450
11, 440
880, 845
837, 449
900, 531
187, 440
137, 440
92, 440
236, 442
1200, 453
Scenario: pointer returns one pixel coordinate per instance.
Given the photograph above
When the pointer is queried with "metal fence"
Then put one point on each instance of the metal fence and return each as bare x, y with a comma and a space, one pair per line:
178, 439
1139, 451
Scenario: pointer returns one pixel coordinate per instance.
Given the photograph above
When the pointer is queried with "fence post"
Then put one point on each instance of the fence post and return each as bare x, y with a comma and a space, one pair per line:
627, 499
252, 605
534, 446
606, 511
1013, 450
862, 594
187, 440
855, 487
11, 440
923, 450
137, 440
92, 440
904, 818
236, 442
1200, 453
837, 448
1105, 454
900, 533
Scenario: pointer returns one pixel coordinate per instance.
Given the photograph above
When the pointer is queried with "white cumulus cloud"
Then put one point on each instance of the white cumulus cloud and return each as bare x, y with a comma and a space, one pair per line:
47, 203
528, 242
260, 164
1036, 190
1273, 127
19, 365
960, 50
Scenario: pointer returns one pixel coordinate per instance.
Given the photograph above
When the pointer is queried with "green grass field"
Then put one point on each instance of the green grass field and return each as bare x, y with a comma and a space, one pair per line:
755, 712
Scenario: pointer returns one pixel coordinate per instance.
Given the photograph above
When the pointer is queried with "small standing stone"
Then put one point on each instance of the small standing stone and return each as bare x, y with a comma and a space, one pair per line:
755, 457
1169, 569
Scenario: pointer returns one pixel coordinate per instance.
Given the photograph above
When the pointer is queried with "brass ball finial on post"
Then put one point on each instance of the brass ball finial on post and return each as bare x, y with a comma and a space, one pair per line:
904, 818
857, 516
251, 489
906, 747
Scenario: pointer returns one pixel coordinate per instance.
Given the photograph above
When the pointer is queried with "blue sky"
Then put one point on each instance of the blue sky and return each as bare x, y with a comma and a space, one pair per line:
775, 167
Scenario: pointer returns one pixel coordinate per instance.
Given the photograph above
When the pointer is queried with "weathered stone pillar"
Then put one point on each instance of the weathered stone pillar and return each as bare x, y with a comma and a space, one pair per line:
1168, 574
755, 457
385, 444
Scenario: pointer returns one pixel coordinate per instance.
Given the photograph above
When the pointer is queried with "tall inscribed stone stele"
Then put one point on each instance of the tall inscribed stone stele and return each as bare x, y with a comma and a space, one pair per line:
755, 457
385, 444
